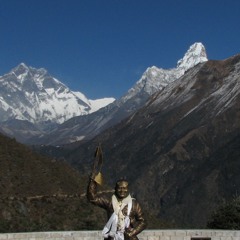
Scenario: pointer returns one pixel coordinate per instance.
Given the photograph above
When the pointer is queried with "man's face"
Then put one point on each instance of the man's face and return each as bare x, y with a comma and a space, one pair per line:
121, 189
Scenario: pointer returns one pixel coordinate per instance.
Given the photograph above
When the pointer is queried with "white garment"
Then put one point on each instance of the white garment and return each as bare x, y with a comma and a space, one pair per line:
117, 223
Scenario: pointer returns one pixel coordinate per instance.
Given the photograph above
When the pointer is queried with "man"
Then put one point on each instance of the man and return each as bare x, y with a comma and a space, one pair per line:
125, 215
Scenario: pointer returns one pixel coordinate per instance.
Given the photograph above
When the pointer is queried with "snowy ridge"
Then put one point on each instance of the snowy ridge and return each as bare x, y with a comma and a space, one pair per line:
34, 95
154, 78
195, 54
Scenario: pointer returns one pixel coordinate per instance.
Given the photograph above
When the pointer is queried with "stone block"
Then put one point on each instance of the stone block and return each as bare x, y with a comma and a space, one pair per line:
37, 238
3, 236
194, 233
158, 233
182, 233
164, 238
169, 232
177, 237
236, 234
145, 235
223, 233
153, 238
216, 238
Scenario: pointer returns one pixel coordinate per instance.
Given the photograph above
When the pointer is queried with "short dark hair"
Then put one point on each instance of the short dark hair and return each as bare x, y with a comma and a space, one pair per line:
121, 180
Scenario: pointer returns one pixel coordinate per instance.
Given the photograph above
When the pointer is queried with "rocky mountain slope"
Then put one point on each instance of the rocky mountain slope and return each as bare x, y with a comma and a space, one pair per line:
154, 79
181, 151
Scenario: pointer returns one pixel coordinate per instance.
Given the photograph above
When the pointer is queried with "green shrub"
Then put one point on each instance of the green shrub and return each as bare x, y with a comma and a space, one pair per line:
227, 216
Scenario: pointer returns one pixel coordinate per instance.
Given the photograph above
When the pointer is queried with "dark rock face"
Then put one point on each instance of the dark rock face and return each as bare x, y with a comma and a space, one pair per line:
181, 151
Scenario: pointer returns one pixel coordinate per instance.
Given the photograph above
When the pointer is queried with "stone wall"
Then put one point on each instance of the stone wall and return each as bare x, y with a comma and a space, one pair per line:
145, 235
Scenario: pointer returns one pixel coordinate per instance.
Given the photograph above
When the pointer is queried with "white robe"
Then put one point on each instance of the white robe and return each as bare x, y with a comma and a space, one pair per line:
117, 223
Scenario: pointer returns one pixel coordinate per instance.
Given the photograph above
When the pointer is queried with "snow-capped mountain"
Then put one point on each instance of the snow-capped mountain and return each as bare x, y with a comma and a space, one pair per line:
31, 94
154, 79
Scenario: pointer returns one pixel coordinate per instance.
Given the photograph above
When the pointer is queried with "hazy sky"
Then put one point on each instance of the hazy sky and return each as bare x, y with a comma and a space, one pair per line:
102, 47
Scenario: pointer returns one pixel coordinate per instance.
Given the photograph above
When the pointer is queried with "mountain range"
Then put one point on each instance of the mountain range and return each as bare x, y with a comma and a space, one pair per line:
34, 95
40, 102
181, 150
33, 102
175, 136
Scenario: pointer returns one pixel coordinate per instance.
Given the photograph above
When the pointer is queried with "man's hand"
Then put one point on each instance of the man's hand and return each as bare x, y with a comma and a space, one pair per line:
129, 232
93, 175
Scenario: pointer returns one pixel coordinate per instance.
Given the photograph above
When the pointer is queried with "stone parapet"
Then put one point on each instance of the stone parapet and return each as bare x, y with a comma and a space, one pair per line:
145, 235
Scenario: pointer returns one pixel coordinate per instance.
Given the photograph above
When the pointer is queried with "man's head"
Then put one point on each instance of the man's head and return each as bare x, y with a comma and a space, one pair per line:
121, 189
